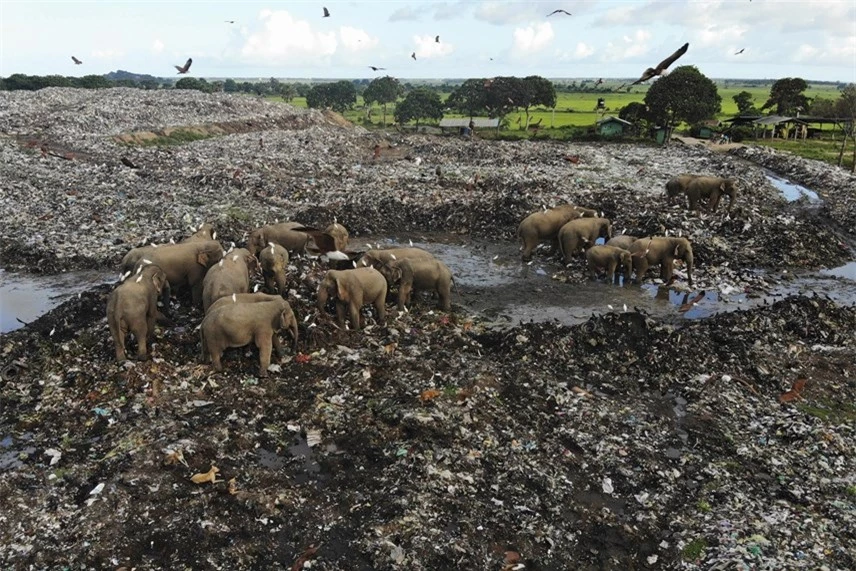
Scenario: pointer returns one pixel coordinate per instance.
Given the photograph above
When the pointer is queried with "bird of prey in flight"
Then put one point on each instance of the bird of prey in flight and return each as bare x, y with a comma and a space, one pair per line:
413, 55
661, 67
186, 67
377, 68
740, 52
230, 21
326, 12
76, 61
559, 12
437, 39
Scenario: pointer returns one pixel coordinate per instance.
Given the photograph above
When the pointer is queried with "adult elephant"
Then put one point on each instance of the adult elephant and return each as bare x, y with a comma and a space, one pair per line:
378, 258
283, 233
545, 225
230, 275
662, 250
133, 308
678, 185
422, 275
185, 265
234, 323
352, 289
581, 234
711, 188
623, 241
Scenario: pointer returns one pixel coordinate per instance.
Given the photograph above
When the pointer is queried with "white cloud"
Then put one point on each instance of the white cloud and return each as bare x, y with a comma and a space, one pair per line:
157, 46
532, 38
427, 47
583, 51
108, 54
629, 47
832, 53
284, 39
355, 40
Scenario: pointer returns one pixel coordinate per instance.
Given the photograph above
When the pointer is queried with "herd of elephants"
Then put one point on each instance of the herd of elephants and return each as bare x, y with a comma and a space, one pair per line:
220, 280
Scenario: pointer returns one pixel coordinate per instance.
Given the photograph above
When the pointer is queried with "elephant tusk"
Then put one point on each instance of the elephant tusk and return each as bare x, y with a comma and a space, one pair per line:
234, 298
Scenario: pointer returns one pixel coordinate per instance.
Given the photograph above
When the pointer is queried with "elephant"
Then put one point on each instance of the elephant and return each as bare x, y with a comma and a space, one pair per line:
678, 185
609, 258
711, 188
353, 289
339, 234
230, 275
545, 225
661, 250
377, 258
581, 234
410, 274
237, 323
283, 234
185, 264
133, 308
623, 241
274, 261
204, 232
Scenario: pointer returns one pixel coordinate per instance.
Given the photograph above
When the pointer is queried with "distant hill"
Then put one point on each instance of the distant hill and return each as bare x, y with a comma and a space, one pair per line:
121, 74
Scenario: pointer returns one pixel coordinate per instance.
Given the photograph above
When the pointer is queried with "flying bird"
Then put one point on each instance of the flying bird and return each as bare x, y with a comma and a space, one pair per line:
661, 67
437, 39
598, 82
186, 67
559, 12
413, 55
377, 68
740, 52
230, 21
76, 61
326, 12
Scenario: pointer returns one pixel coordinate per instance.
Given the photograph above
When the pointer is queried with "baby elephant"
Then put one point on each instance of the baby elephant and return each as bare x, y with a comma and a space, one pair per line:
609, 258
133, 308
377, 258
352, 289
581, 234
238, 321
427, 275
274, 262
661, 250
230, 275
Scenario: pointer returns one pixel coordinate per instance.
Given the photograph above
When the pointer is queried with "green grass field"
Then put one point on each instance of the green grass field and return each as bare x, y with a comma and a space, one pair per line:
578, 110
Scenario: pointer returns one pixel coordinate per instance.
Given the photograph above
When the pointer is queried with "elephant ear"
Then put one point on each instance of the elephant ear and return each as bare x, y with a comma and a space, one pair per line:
158, 279
342, 290
722, 185
202, 258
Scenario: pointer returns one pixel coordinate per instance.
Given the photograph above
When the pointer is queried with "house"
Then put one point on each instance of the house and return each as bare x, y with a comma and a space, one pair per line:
708, 128
611, 126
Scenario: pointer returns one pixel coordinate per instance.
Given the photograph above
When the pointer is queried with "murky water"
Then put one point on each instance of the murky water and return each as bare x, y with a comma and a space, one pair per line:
15, 450
791, 190
847, 271
24, 297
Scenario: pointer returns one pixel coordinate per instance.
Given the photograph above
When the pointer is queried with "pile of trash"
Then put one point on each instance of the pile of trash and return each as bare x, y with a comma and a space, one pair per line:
434, 440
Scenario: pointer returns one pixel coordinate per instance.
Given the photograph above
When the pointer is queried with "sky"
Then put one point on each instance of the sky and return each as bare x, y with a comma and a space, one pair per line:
812, 39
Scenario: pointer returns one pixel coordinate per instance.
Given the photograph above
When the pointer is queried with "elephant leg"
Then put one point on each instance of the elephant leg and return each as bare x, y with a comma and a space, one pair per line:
269, 284
611, 272
402, 297
264, 342
666, 268
444, 294
216, 356
118, 333
277, 344
140, 331
714, 201
340, 314
641, 269
196, 294
354, 310
380, 307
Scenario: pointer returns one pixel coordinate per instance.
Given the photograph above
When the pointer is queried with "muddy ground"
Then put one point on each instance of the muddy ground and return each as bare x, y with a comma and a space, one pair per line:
632, 440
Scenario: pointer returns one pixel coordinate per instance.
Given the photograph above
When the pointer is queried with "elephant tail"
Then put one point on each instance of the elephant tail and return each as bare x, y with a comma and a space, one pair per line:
204, 351
561, 247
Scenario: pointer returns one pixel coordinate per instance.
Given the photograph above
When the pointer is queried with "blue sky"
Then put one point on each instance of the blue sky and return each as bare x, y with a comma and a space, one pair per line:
813, 39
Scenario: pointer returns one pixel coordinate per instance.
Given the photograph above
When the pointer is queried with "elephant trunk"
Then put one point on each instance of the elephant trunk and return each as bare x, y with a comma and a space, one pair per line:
322, 299
628, 269
281, 284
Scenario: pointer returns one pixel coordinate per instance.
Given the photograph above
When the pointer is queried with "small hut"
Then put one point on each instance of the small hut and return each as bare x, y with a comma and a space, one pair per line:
612, 126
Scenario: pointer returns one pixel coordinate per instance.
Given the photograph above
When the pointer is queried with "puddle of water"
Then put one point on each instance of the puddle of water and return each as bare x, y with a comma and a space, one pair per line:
846, 271
310, 468
791, 190
25, 297
14, 451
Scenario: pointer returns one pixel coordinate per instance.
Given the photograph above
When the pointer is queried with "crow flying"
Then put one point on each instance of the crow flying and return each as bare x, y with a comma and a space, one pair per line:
559, 12
740, 52
377, 68
437, 39
326, 12
413, 55
661, 67
76, 61
230, 21
186, 67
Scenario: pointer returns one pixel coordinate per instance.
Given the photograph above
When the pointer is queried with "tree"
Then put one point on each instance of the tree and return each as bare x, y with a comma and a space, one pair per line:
93, 82
469, 98
338, 96
421, 103
683, 95
635, 113
383, 90
500, 93
286, 91
230, 86
192, 83
744, 102
845, 109
787, 96
535, 90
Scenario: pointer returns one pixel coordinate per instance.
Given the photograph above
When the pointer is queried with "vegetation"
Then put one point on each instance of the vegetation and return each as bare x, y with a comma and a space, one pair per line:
694, 550
421, 103
745, 104
788, 96
337, 96
685, 95
382, 90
